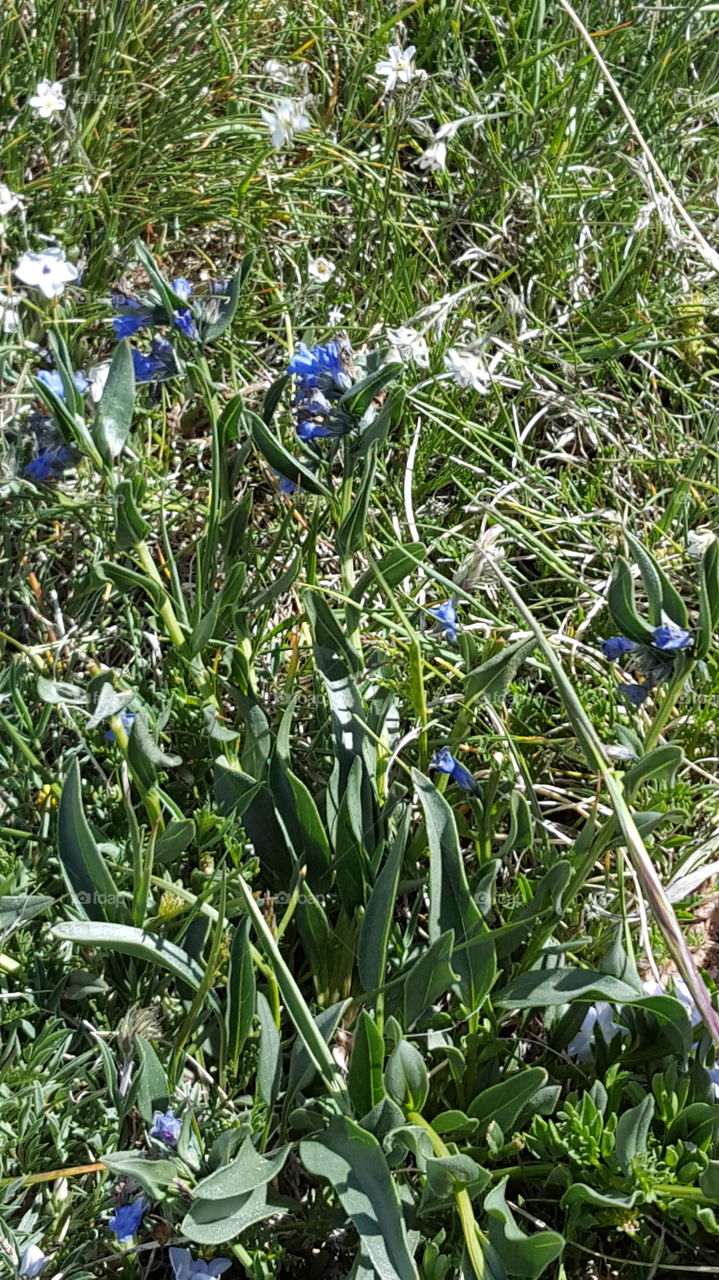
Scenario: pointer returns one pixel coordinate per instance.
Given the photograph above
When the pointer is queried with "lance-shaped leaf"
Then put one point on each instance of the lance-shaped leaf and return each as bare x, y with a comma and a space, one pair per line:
134, 942
352, 1160
521, 1255
210, 329
88, 878
280, 458
451, 904
113, 415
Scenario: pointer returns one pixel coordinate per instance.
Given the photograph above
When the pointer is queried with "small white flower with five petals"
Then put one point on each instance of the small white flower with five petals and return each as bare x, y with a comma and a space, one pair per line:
410, 344
468, 369
48, 99
321, 269
47, 271
435, 157
285, 120
397, 66
8, 200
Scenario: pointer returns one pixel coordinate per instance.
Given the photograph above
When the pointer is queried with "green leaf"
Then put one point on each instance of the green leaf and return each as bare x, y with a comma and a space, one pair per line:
491, 681
448, 1174
130, 527
178, 834
211, 330
153, 1176
93, 889
113, 414
252, 801
708, 599
351, 535
621, 602
269, 1058
520, 1254
58, 692
377, 923
352, 1160
632, 1133
304, 826
280, 458
503, 1103
542, 987
17, 910
248, 1171
406, 1078
143, 754
396, 565
451, 904
365, 1083
376, 431
360, 396
659, 765
241, 991
127, 581
169, 299
134, 942
217, 1221
429, 977
153, 1092
661, 595
580, 1193
110, 701
303, 1067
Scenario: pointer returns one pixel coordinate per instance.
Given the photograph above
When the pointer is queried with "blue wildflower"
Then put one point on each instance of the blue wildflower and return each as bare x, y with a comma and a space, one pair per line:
159, 365
312, 431
127, 1218
184, 1266
182, 288
49, 464
616, 647
636, 693
670, 637
135, 315
446, 614
51, 378
444, 762
166, 1127
185, 323
320, 368
286, 486
128, 720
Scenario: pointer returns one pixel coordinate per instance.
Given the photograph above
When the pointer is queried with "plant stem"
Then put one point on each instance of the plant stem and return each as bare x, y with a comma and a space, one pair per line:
474, 1238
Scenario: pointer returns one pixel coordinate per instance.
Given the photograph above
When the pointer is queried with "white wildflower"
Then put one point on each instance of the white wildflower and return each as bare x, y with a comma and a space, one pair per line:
397, 66
468, 369
47, 271
8, 200
48, 99
335, 316
580, 1047
321, 269
285, 120
410, 344
32, 1261
435, 157
9, 313
97, 377
698, 540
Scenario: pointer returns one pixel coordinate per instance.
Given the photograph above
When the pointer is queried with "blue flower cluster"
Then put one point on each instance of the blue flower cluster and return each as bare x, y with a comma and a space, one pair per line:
321, 380
654, 660
136, 313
